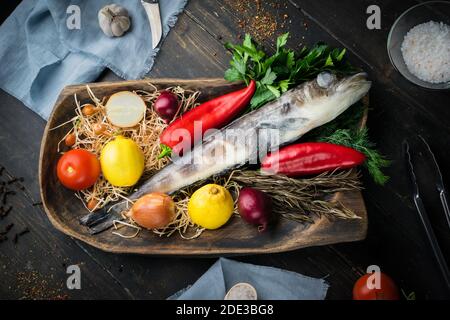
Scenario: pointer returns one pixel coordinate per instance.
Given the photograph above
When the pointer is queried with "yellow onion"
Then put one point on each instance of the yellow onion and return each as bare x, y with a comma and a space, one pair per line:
153, 211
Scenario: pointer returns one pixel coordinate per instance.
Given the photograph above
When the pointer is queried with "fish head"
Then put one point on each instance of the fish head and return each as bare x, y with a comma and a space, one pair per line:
327, 96
353, 87
348, 90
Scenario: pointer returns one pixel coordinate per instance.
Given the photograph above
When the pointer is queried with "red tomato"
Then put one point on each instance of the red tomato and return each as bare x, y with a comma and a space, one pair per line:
78, 169
387, 289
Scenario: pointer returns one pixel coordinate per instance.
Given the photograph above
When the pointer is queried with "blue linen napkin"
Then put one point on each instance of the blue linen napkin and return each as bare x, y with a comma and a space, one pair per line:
40, 55
270, 283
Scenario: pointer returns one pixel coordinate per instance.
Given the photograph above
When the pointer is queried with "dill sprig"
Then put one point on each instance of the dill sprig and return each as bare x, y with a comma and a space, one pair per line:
358, 139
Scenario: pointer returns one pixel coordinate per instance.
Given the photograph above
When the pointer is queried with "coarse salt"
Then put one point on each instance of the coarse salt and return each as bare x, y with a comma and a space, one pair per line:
426, 51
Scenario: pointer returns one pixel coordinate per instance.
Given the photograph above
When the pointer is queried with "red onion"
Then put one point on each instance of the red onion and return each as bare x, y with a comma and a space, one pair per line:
255, 207
166, 105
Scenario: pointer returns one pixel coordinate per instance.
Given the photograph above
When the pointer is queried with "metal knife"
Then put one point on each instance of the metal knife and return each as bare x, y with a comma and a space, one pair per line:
152, 9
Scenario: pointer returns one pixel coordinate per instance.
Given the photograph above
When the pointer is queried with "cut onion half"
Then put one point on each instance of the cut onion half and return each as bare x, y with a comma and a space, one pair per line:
125, 109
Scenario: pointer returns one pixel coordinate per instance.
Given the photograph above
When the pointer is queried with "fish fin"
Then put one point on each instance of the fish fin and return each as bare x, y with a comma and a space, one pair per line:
103, 219
93, 217
105, 224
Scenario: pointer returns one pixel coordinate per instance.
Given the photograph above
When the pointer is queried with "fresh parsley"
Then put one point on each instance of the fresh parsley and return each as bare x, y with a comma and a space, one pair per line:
275, 74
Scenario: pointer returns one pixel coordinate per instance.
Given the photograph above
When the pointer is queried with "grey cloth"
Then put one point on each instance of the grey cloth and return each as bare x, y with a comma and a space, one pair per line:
40, 55
270, 283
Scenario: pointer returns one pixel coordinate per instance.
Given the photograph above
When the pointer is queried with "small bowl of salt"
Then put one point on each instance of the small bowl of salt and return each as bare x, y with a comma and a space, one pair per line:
419, 45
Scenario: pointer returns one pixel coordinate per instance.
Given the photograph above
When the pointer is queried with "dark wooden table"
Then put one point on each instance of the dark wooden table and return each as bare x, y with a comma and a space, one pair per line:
35, 267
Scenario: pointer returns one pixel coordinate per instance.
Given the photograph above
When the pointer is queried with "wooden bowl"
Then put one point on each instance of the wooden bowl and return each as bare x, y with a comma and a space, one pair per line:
236, 237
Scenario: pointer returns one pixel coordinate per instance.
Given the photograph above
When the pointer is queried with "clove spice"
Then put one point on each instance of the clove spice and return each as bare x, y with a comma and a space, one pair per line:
3, 234
24, 231
13, 180
7, 229
4, 213
20, 234
6, 193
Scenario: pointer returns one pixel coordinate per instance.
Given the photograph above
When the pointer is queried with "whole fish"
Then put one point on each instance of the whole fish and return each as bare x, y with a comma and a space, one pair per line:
250, 137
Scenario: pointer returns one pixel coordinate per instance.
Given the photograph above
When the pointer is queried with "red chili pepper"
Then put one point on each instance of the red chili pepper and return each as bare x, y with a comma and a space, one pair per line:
311, 158
213, 114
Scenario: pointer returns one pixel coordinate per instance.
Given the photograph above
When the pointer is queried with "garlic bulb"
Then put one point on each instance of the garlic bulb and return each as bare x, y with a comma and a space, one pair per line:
114, 20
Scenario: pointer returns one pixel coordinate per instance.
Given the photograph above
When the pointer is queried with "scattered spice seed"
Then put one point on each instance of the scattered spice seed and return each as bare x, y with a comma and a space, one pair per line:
37, 204
36, 285
260, 22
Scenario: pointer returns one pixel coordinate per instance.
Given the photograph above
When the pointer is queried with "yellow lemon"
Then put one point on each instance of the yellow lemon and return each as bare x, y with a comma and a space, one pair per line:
211, 206
122, 162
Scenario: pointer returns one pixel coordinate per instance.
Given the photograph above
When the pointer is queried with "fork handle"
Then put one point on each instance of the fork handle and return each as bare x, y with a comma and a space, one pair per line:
432, 239
444, 196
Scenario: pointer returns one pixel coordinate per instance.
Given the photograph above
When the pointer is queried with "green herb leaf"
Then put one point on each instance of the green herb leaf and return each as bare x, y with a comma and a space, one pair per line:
284, 85
290, 59
274, 90
269, 77
248, 43
341, 55
233, 74
282, 40
261, 96
239, 65
329, 62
